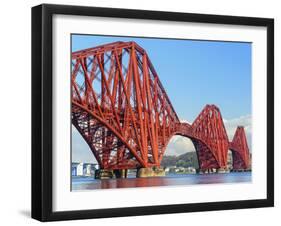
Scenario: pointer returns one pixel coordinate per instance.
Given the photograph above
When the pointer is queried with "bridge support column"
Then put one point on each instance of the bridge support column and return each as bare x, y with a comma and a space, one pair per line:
223, 170
151, 172
205, 171
121, 173
241, 170
213, 170
104, 174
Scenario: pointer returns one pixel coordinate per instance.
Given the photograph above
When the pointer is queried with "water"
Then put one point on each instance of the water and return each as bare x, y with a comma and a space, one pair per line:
89, 183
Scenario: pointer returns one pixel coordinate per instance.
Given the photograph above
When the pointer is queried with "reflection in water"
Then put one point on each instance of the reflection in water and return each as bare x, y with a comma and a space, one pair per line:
89, 183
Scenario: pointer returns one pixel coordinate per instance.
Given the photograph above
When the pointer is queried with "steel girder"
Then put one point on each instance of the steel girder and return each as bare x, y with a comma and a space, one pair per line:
240, 150
121, 109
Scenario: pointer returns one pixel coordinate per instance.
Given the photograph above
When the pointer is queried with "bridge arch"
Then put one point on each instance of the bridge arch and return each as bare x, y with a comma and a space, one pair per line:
209, 136
206, 159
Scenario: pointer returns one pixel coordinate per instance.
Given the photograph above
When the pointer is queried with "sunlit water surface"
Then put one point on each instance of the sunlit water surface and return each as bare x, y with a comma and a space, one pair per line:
89, 183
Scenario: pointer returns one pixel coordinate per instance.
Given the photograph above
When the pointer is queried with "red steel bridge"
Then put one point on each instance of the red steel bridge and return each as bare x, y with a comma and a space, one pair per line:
121, 109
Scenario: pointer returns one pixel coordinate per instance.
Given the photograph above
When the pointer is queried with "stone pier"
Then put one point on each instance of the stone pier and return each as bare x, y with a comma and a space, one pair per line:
104, 174
213, 170
121, 173
150, 172
109, 174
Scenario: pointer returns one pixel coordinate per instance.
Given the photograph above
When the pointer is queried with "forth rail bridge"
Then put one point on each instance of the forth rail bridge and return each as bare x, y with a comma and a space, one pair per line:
124, 114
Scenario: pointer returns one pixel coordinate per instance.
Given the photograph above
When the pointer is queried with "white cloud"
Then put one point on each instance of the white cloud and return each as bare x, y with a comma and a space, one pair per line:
231, 125
185, 121
179, 145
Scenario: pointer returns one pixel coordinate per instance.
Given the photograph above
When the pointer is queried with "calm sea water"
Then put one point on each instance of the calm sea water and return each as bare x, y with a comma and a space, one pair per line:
89, 183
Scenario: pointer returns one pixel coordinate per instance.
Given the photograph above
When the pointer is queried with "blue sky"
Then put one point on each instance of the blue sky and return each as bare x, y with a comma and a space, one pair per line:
195, 73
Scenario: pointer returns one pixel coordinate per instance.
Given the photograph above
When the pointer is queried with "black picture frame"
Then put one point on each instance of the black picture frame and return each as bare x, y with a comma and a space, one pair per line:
42, 111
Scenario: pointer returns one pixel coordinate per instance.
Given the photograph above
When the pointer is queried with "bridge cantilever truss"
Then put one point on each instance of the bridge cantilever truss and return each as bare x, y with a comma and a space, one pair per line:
121, 109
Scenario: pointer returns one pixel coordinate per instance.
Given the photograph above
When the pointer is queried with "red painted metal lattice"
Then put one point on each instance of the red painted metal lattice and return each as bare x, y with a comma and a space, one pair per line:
240, 150
121, 109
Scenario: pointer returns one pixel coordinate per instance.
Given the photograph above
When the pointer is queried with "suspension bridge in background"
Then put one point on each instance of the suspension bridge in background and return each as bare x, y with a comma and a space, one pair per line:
124, 114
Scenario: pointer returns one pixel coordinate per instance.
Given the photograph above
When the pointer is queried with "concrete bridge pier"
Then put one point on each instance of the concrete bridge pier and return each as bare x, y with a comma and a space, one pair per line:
150, 172
104, 174
213, 170
240, 170
121, 173
223, 170
109, 174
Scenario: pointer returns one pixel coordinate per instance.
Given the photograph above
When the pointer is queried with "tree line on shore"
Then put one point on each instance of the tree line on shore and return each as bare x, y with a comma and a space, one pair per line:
185, 160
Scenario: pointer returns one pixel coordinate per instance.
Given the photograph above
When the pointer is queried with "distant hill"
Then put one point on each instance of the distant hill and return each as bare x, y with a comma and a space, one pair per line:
188, 159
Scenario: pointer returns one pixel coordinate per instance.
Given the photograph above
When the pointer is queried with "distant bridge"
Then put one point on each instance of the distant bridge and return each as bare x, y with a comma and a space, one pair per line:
123, 112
